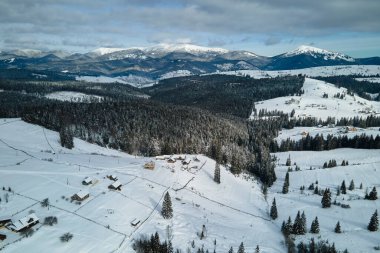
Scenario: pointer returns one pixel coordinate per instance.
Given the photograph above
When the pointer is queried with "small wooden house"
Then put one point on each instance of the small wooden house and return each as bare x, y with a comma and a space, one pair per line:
135, 222
3, 237
24, 223
87, 181
171, 160
115, 186
81, 195
186, 161
149, 165
112, 177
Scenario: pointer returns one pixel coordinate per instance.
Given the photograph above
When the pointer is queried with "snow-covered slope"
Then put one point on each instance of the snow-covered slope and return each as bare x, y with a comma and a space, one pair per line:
363, 169
312, 103
72, 96
36, 167
188, 48
317, 52
136, 81
365, 70
106, 50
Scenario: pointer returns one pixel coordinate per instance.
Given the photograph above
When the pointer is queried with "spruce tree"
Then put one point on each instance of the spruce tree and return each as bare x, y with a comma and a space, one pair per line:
167, 210
352, 185
343, 189
326, 199
285, 187
337, 228
217, 173
257, 250
273, 210
288, 162
288, 227
241, 248
315, 226
373, 194
231, 250
66, 137
297, 225
374, 222
304, 225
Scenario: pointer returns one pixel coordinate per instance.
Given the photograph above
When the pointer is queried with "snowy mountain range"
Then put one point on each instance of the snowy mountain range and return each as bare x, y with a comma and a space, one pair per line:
153, 62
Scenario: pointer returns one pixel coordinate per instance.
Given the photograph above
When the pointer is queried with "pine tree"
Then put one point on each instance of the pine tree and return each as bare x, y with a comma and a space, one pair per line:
352, 185
373, 194
66, 137
326, 199
297, 225
337, 228
288, 162
217, 173
273, 210
315, 226
304, 225
241, 248
374, 222
285, 188
288, 227
167, 210
257, 250
343, 189
231, 250
361, 186
170, 247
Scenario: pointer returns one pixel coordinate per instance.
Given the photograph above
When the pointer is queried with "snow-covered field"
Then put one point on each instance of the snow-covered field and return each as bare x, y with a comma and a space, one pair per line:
363, 168
72, 96
365, 70
298, 133
369, 79
136, 81
36, 167
311, 103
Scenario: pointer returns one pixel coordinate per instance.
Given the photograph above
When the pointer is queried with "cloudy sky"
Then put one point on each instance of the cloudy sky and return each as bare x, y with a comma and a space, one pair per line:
266, 27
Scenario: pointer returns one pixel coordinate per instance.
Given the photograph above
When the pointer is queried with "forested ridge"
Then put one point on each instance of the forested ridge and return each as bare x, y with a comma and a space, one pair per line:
189, 115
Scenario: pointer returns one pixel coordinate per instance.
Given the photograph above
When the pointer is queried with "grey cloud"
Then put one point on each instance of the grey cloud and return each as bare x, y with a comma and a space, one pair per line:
117, 21
272, 41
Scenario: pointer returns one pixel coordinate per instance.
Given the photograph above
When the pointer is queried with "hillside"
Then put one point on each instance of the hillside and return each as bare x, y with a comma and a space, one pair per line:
36, 167
312, 103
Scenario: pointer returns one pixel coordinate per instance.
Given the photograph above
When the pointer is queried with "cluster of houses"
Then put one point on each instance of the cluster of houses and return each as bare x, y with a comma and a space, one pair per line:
84, 194
173, 159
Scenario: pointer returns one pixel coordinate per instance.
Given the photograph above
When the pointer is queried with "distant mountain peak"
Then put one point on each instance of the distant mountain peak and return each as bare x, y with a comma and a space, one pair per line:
107, 50
188, 48
318, 52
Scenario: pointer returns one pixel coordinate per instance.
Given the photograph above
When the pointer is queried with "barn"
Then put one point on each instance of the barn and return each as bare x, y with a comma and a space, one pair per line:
149, 165
115, 186
81, 195
24, 223
87, 181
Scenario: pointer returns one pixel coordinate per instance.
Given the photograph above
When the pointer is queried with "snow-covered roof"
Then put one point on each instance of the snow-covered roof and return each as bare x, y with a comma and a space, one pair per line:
24, 222
87, 180
116, 184
83, 193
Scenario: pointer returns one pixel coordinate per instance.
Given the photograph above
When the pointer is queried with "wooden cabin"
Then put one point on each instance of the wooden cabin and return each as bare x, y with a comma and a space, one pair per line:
115, 186
3, 237
171, 160
81, 195
87, 181
112, 177
186, 161
24, 223
135, 222
149, 165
